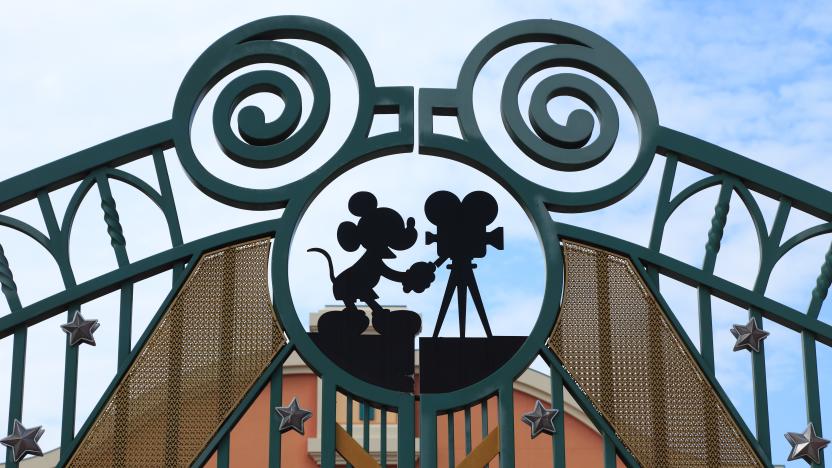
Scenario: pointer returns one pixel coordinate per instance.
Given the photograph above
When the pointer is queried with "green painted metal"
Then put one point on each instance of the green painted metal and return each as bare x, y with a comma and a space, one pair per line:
224, 452
245, 403
327, 430
609, 453
467, 413
451, 442
365, 414
559, 438
275, 400
554, 146
589, 409
349, 420
383, 439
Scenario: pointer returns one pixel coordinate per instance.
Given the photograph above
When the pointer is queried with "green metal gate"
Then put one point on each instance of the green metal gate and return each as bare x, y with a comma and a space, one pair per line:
553, 146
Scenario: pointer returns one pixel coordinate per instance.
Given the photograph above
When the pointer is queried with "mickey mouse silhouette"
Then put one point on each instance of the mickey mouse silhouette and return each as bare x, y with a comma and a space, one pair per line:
379, 229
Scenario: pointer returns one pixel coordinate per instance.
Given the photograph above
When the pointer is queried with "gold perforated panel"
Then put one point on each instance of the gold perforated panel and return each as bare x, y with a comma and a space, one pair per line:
620, 348
217, 336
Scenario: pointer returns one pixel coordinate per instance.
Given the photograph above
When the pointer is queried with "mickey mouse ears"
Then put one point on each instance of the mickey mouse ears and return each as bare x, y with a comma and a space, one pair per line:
362, 203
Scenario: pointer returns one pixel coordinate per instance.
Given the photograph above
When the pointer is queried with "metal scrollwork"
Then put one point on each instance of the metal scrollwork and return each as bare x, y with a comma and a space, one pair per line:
563, 147
260, 143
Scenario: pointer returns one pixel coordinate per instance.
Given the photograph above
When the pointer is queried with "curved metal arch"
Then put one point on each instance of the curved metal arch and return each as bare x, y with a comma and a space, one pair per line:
28, 230
802, 237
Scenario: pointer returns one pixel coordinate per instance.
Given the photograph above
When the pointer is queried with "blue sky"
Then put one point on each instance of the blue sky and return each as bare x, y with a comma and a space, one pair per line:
750, 76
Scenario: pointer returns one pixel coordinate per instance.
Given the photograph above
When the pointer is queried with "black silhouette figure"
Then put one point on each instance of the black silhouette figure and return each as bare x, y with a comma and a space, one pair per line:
385, 359
461, 236
378, 231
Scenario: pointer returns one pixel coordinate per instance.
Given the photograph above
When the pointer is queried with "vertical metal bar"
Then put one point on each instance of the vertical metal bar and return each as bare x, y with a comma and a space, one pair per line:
9, 288
758, 375
365, 414
505, 400
125, 324
117, 241
451, 442
349, 411
407, 434
821, 285
707, 351
327, 429
609, 452
706, 331
383, 439
715, 233
467, 430
169, 204
484, 412
769, 255
717, 225
70, 392
810, 378
224, 452
558, 439
111, 218
16, 395
661, 214
275, 400
427, 426
70, 389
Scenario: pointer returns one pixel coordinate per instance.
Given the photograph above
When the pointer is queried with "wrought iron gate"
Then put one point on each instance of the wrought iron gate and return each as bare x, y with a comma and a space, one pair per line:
186, 368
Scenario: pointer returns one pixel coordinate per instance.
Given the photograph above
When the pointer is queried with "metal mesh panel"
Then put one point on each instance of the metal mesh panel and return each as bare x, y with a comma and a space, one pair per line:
620, 348
217, 336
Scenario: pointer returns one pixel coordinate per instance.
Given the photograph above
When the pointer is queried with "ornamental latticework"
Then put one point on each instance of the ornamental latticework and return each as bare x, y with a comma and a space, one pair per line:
214, 340
625, 355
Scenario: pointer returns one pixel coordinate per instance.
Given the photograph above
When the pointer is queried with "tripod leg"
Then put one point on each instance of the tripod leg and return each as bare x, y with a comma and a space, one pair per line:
475, 295
462, 298
446, 301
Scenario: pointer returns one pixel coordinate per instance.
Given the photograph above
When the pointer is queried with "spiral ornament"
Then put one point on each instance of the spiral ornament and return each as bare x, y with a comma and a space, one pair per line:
251, 139
568, 146
563, 147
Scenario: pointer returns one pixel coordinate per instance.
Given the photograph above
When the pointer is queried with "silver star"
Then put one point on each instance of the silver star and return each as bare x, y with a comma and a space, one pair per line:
23, 441
806, 445
80, 330
540, 419
748, 336
292, 416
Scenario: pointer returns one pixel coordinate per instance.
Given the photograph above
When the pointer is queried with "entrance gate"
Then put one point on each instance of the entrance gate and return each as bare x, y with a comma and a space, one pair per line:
605, 331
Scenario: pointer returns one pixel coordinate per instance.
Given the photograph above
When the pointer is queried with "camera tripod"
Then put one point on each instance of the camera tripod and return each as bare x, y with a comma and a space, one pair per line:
462, 279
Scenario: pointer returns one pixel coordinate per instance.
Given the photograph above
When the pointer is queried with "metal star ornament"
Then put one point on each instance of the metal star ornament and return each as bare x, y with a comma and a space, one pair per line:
806, 445
80, 330
23, 441
540, 419
292, 417
748, 336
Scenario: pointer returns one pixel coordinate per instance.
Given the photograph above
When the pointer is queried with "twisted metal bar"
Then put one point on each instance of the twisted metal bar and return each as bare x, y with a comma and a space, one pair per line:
718, 222
821, 284
108, 205
6, 277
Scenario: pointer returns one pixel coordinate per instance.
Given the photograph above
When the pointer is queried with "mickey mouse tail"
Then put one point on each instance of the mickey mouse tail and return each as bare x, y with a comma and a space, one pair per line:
328, 261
